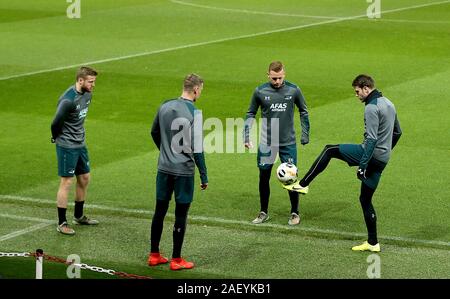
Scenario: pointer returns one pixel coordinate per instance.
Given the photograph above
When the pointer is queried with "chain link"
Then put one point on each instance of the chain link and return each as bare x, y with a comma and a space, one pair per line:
134, 276
14, 254
81, 266
56, 259
95, 269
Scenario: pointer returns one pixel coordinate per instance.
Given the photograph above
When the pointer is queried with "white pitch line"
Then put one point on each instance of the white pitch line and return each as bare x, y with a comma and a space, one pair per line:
23, 231
238, 222
43, 223
15, 217
311, 16
302, 15
414, 6
47, 201
173, 48
252, 11
147, 53
383, 20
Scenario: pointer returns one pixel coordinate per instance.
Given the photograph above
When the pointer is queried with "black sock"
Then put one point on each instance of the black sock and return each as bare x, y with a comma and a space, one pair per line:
78, 209
61, 215
181, 211
157, 224
294, 196
370, 216
264, 189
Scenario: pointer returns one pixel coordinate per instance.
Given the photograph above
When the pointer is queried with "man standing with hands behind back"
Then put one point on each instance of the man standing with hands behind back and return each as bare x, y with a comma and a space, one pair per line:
69, 135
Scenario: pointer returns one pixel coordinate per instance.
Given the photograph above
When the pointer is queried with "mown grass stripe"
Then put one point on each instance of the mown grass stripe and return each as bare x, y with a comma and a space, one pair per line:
147, 53
216, 220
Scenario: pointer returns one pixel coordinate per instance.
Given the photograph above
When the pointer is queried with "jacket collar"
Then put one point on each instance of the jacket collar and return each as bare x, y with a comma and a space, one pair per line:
373, 95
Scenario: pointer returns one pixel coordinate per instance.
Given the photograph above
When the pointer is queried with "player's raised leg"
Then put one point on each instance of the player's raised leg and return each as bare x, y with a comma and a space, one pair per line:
319, 165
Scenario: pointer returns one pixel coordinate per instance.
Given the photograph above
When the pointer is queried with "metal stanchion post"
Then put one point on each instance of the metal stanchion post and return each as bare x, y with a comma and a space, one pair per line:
39, 263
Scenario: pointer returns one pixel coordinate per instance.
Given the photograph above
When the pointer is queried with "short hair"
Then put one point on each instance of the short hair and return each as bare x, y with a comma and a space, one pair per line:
363, 80
190, 81
85, 71
276, 66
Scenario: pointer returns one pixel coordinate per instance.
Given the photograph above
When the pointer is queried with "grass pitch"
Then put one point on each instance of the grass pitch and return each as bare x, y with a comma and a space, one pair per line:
143, 49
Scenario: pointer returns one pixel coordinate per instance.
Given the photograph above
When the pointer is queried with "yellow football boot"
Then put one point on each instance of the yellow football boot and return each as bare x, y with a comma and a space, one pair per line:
296, 187
367, 247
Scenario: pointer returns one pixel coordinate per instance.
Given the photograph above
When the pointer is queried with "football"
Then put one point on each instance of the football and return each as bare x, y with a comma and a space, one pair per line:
287, 173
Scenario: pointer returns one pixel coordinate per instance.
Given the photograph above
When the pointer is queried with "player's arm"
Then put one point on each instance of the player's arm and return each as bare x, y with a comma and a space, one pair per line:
199, 159
62, 111
156, 131
372, 124
304, 116
197, 147
250, 118
397, 132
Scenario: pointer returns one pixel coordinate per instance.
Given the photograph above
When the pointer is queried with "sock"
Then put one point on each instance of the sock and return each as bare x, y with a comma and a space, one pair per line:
61, 215
370, 216
157, 224
78, 209
179, 228
294, 196
178, 239
264, 189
